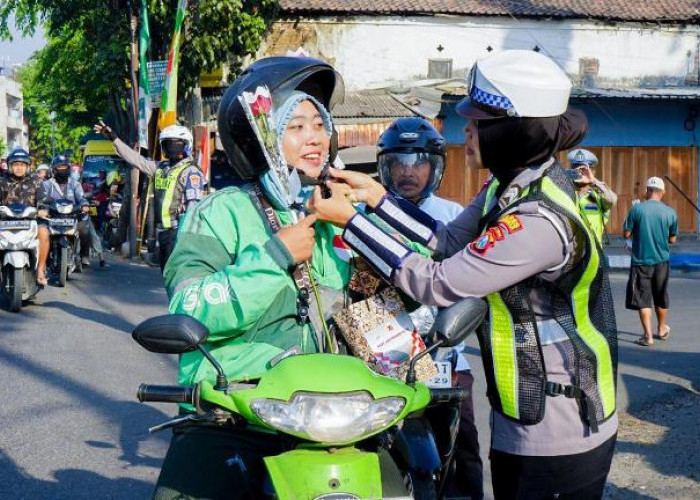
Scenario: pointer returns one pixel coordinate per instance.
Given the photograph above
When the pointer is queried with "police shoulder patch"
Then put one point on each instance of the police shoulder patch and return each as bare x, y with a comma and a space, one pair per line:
506, 225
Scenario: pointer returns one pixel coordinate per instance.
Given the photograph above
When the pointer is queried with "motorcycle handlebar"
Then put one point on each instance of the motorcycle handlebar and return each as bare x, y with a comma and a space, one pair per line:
448, 395
166, 394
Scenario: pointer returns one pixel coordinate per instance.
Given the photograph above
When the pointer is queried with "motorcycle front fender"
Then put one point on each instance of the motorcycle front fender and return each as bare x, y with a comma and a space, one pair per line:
17, 259
415, 447
325, 474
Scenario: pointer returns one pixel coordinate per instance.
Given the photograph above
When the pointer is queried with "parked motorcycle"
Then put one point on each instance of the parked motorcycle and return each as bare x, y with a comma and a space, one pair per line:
63, 231
19, 249
340, 414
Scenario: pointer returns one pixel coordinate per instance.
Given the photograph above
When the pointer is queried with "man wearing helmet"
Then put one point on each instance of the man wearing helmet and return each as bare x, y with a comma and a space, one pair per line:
179, 183
549, 340
62, 186
595, 198
411, 162
19, 187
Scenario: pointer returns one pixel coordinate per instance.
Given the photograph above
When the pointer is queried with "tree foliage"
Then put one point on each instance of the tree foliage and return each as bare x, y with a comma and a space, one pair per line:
84, 71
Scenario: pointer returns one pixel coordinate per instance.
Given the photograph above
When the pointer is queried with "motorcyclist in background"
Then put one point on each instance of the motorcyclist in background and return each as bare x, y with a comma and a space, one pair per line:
411, 162
62, 186
20, 187
42, 172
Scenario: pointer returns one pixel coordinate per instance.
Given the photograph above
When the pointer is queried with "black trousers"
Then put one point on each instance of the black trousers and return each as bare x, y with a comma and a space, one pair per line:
571, 477
84, 235
166, 243
469, 479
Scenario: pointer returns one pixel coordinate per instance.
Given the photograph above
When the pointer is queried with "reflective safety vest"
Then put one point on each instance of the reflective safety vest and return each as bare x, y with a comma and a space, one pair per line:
168, 194
590, 205
581, 303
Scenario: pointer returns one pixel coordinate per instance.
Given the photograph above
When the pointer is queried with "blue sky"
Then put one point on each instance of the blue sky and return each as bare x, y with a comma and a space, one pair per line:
20, 49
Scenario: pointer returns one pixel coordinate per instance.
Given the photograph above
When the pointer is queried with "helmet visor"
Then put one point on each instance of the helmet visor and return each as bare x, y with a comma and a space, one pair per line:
411, 175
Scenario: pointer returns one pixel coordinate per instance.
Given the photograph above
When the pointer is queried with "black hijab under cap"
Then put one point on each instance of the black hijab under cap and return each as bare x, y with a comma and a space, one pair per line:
509, 145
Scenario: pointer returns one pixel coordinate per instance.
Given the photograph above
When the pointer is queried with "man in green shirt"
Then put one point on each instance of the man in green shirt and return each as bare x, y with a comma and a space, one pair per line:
652, 225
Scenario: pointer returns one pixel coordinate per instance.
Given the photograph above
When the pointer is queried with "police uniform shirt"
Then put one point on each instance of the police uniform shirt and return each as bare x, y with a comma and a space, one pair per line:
191, 179
531, 241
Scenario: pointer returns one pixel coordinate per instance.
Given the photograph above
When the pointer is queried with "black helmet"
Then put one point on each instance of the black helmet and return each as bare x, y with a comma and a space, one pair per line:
60, 160
282, 75
409, 142
19, 154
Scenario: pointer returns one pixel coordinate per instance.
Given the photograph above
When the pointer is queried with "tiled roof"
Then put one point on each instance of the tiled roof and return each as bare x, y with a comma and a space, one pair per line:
369, 105
681, 11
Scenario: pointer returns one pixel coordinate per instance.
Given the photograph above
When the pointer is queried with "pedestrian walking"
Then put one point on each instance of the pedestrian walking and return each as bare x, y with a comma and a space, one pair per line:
595, 198
652, 225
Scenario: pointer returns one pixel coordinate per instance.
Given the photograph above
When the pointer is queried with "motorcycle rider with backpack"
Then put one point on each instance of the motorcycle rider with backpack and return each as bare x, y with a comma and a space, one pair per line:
62, 186
179, 183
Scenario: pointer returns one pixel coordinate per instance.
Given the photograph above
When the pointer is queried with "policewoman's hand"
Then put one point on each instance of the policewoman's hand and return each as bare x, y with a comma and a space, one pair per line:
364, 188
337, 209
299, 238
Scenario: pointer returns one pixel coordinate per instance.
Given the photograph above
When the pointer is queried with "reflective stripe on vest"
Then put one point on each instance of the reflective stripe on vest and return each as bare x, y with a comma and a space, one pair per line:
595, 218
580, 300
165, 186
502, 334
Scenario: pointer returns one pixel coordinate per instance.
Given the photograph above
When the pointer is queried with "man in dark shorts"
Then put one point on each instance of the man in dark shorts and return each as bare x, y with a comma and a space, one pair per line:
652, 225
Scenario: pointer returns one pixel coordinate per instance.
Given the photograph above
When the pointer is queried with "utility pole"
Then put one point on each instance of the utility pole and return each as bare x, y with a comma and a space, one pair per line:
133, 212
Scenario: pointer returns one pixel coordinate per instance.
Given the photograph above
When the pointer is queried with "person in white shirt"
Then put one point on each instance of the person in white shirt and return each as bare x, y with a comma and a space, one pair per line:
411, 162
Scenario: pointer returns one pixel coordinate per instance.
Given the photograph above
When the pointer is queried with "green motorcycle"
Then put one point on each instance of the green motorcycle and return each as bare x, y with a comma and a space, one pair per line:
342, 417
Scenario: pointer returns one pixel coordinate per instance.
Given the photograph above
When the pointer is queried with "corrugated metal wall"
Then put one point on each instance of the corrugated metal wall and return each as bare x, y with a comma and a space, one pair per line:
625, 170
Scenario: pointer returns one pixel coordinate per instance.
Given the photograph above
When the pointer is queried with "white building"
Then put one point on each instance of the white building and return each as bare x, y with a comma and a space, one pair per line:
12, 129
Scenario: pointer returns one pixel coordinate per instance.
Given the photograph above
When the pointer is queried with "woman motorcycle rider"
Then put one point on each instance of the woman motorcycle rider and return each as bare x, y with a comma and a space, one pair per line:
523, 245
233, 272
62, 186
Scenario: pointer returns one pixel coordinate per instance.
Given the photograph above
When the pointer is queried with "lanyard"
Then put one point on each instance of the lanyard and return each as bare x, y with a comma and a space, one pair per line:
301, 276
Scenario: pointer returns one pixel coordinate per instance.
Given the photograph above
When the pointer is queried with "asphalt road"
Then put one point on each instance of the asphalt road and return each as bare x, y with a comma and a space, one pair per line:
70, 425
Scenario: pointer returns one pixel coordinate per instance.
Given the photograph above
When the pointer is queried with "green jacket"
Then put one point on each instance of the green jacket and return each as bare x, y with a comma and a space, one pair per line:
231, 273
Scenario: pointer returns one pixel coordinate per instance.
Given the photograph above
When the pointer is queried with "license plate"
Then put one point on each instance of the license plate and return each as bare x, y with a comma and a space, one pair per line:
62, 222
443, 379
93, 210
15, 224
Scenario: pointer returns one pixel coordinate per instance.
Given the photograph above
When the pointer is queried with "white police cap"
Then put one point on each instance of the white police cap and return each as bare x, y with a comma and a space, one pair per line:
582, 157
520, 83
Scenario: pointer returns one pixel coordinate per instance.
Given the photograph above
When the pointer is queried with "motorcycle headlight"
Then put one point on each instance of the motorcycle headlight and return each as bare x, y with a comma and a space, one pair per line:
329, 418
64, 209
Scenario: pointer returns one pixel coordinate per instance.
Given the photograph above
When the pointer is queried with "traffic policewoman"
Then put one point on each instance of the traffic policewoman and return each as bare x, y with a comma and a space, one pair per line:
548, 343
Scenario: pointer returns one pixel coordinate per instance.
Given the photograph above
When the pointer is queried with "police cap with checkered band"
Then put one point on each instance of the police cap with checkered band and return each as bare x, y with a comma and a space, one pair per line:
515, 83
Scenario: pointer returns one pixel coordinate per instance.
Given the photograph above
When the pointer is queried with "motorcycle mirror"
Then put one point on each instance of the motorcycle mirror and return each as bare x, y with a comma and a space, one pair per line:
455, 323
170, 334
